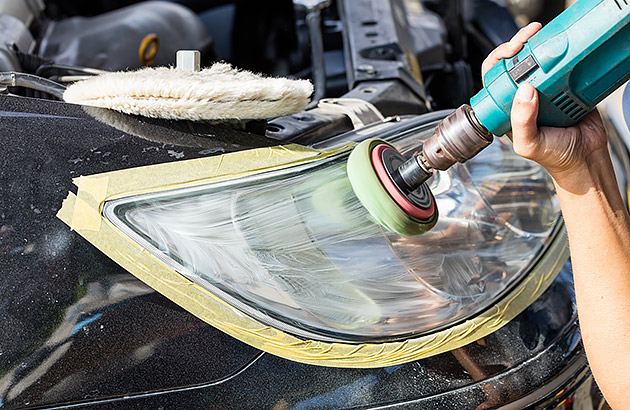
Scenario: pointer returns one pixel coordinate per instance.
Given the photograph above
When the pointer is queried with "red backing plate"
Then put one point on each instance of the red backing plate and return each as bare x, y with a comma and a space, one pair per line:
391, 188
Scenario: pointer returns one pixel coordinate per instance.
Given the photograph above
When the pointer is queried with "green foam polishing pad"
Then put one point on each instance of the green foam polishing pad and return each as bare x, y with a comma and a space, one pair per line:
375, 198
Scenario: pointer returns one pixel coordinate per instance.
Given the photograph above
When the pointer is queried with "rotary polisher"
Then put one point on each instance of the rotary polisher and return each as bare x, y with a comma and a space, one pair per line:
574, 62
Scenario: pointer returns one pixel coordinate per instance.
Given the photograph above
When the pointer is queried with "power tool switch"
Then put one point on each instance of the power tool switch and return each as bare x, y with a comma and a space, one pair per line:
522, 69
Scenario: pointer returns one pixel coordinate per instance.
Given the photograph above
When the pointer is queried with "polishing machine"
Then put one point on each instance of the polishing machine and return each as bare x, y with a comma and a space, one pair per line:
574, 62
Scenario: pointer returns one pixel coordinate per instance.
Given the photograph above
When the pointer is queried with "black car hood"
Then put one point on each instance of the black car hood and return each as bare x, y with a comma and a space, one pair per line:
74, 322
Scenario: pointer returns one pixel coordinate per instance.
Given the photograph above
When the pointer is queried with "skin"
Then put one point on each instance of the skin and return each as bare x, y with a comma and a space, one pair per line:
597, 222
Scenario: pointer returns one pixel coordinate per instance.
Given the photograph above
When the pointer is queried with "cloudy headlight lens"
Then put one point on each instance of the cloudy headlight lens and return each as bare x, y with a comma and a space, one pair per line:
296, 250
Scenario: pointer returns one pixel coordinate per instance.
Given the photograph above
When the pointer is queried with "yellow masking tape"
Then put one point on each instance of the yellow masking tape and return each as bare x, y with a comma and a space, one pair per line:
66, 213
198, 171
92, 191
93, 186
223, 316
85, 216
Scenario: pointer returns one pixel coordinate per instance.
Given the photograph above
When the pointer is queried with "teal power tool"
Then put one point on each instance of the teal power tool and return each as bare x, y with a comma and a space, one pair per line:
574, 62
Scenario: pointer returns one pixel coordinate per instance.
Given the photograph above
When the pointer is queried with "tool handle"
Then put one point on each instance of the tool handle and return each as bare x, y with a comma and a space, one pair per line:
574, 62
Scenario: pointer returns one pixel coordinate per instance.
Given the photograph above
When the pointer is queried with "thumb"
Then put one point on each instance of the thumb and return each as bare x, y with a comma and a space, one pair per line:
524, 114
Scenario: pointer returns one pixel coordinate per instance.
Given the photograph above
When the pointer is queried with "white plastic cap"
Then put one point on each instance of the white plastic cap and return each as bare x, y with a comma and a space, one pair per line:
188, 60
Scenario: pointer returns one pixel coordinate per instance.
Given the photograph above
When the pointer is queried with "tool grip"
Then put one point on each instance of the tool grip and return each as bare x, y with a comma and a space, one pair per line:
574, 62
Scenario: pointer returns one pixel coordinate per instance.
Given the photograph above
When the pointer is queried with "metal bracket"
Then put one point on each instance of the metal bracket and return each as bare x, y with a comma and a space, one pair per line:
359, 111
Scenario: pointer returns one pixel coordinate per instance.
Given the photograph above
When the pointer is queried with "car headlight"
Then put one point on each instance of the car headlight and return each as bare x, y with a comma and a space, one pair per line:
294, 251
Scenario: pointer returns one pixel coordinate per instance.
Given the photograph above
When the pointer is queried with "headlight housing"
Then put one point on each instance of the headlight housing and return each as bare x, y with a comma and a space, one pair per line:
294, 251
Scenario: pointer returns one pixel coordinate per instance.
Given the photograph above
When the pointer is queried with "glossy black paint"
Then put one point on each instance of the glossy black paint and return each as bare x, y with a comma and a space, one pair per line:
60, 296
79, 331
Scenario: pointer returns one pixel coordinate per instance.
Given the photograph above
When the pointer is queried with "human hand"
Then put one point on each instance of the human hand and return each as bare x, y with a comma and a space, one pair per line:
566, 153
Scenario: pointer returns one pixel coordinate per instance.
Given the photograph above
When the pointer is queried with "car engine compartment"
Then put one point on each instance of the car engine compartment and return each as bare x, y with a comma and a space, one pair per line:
408, 56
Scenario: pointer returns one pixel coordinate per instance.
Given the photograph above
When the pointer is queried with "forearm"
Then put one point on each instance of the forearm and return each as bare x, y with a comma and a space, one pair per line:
598, 226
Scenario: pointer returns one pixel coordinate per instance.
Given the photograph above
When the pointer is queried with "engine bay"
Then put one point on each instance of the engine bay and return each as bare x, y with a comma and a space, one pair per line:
408, 56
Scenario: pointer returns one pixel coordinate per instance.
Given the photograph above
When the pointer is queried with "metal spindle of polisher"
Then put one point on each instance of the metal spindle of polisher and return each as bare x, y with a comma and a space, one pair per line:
458, 138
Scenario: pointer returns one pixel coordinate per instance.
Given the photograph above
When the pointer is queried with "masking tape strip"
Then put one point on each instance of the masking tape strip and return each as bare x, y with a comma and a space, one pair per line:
221, 315
93, 190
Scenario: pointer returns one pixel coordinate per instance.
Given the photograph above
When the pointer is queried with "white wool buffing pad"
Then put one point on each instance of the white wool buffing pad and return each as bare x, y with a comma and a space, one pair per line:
220, 92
